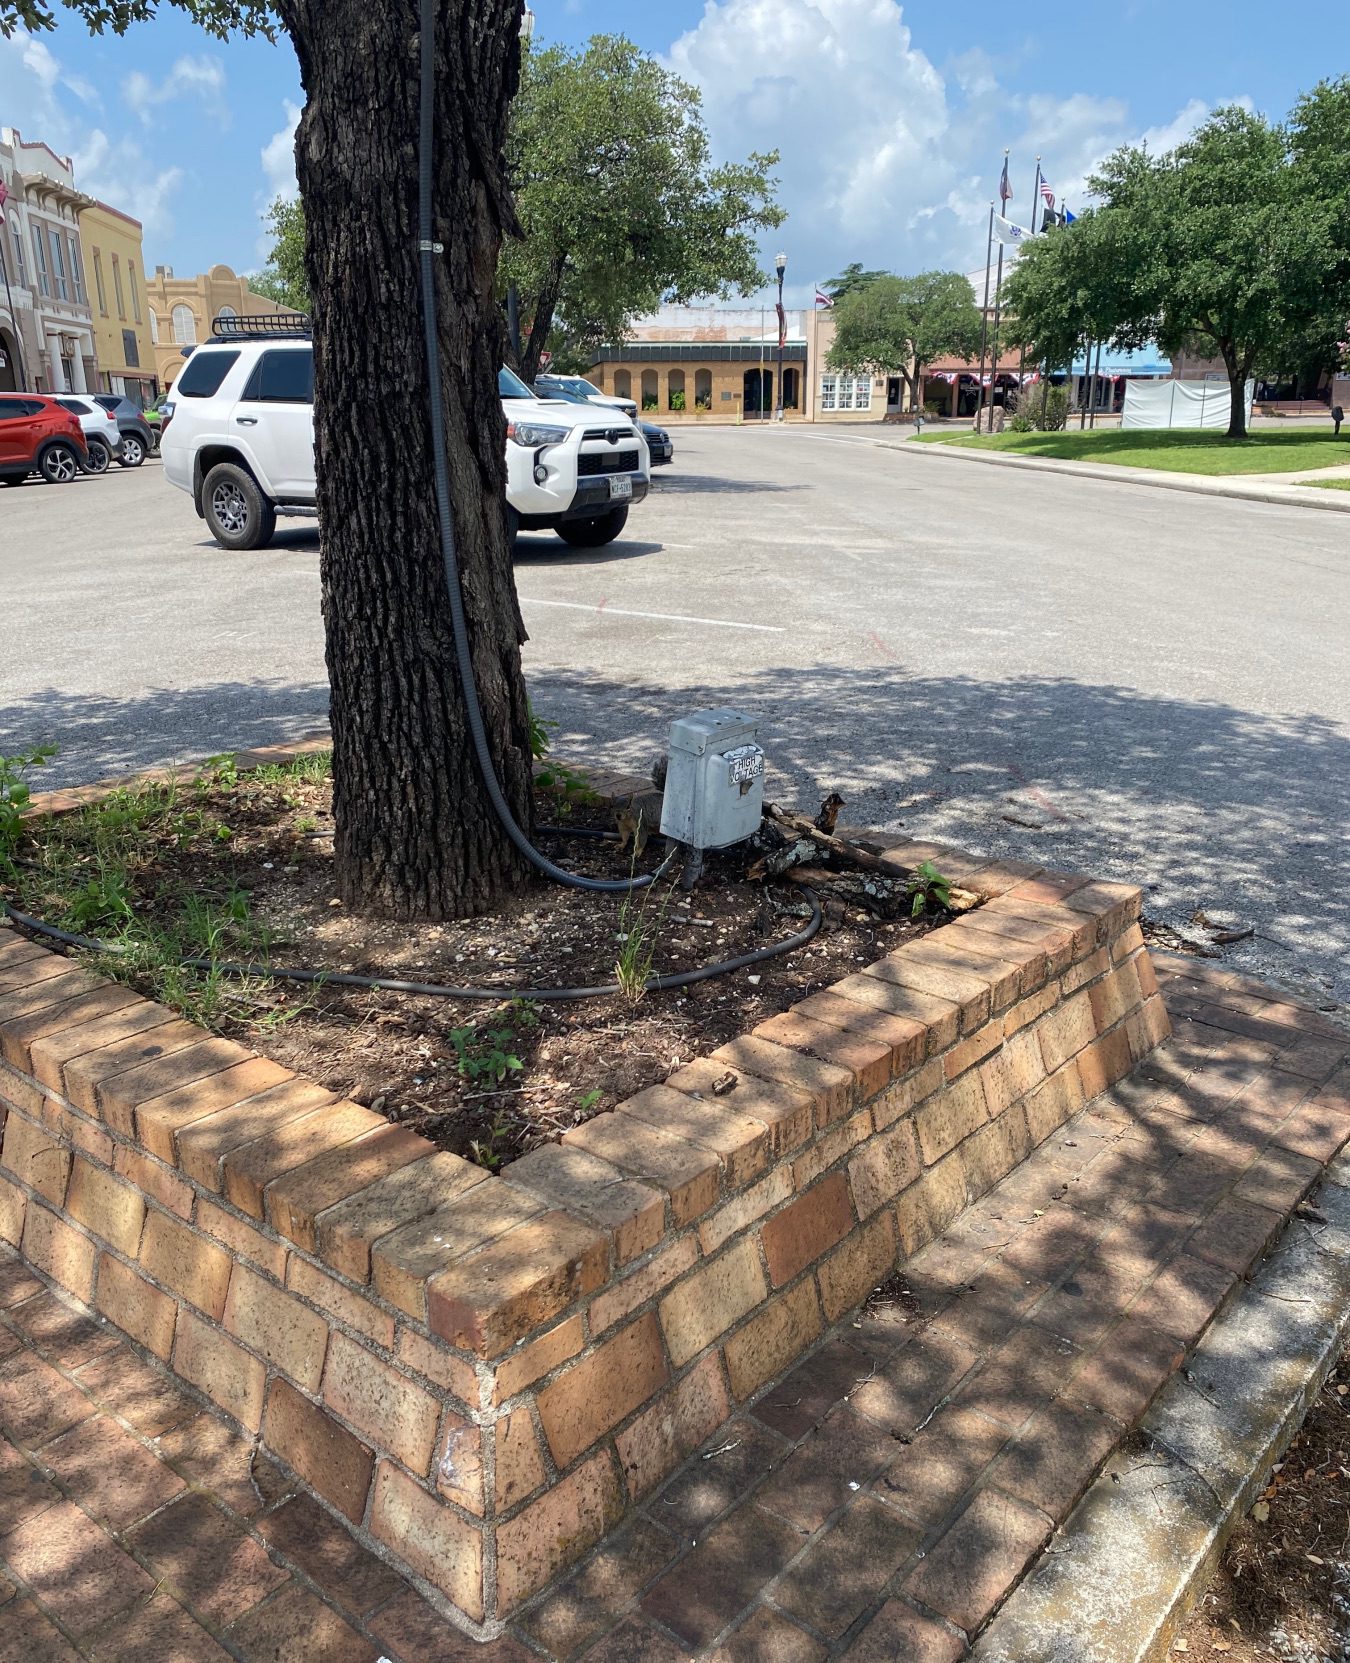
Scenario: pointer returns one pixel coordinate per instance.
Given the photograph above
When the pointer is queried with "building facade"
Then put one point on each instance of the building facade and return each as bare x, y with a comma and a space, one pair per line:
46, 325
115, 275
181, 309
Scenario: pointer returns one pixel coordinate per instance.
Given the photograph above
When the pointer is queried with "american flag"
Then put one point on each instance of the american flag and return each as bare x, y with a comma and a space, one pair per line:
1005, 189
823, 299
1048, 194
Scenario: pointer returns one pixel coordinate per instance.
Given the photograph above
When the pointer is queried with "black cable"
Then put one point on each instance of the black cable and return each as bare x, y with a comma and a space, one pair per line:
428, 250
386, 984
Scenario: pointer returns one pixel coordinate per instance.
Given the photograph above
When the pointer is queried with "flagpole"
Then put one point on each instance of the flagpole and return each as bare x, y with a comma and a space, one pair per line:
984, 326
993, 365
1035, 198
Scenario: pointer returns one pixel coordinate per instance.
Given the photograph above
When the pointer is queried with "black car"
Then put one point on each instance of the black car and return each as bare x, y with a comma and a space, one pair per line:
659, 443
138, 439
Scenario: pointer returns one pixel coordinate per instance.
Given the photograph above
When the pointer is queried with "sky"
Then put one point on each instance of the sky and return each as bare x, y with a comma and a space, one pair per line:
891, 118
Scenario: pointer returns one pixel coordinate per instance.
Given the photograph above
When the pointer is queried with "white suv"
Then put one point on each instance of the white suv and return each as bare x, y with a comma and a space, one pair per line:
239, 436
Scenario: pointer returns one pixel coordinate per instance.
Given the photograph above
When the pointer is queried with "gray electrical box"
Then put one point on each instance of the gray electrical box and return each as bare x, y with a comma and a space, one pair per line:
714, 794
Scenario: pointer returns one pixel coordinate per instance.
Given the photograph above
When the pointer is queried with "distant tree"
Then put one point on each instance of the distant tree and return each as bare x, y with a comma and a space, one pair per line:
901, 324
283, 277
1220, 243
850, 280
619, 203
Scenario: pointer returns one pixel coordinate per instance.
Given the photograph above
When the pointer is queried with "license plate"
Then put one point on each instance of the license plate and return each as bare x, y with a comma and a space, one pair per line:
620, 488
745, 764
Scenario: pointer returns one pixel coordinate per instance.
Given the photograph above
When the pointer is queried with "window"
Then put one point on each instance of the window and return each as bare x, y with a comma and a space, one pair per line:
98, 283
154, 327
117, 288
40, 261
130, 354
283, 377
77, 270
846, 392
20, 275
204, 371
703, 389
58, 265
12, 408
135, 292
227, 312
184, 326
623, 384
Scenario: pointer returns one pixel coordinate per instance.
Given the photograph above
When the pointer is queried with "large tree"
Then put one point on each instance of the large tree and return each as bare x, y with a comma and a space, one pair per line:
852, 278
416, 835
904, 323
283, 277
620, 202
1218, 246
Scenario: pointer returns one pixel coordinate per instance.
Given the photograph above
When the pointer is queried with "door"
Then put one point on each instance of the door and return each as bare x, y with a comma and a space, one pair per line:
274, 420
16, 431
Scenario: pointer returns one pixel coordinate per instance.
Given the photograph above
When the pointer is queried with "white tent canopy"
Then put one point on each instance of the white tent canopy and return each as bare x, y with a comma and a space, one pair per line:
1159, 404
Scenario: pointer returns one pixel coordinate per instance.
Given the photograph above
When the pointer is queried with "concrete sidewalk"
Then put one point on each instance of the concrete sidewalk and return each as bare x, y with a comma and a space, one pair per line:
1251, 487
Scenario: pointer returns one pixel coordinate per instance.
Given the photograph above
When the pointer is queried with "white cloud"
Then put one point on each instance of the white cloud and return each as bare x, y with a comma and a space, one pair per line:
201, 77
119, 172
278, 158
886, 159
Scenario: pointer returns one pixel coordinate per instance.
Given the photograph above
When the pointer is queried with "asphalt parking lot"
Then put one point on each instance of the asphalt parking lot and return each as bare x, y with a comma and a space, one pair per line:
1149, 685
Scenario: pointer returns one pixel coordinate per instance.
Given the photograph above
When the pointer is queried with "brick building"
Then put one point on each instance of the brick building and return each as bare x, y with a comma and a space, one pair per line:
181, 310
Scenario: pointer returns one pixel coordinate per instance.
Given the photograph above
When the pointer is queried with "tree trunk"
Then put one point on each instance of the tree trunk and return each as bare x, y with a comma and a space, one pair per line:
1237, 389
416, 835
541, 322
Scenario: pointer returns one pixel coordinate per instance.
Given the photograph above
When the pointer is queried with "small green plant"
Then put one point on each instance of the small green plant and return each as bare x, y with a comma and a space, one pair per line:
588, 1099
15, 795
491, 1150
677, 399
221, 770
1021, 423
484, 1055
540, 729
649, 401
639, 936
929, 890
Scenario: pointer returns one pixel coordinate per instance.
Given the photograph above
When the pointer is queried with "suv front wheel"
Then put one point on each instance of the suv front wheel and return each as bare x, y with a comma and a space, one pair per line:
592, 534
239, 516
98, 457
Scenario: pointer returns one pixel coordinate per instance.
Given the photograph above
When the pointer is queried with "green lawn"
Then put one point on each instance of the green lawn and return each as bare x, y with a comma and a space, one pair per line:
1329, 484
1177, 452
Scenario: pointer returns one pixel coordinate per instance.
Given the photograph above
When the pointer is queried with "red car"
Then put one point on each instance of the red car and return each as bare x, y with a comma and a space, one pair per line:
38, 436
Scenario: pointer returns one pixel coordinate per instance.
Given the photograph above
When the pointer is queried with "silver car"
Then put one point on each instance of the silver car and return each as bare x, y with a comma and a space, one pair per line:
102, 436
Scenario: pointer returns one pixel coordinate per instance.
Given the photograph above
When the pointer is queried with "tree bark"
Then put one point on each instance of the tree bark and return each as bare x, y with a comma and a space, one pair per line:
546, 303
416, 835
1237, 390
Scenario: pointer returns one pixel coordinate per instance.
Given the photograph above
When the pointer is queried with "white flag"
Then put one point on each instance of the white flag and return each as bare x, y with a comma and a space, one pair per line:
1006, 232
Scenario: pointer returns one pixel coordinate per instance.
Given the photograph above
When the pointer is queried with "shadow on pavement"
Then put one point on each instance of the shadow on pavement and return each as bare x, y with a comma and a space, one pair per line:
1211, 807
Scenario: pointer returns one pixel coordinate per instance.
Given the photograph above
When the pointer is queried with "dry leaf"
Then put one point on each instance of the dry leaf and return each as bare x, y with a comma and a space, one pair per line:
1314, 1560
1181, 1645
1218, 1643
1261, 1512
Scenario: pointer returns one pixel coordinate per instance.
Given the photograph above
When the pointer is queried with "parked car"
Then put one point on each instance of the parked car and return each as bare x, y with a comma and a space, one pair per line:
38, 436
137, 439
238, 435
102, 440
154, 413
659, 443
577, 386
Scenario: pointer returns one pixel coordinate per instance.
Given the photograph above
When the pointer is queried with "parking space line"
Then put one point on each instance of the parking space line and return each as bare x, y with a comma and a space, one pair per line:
660, 617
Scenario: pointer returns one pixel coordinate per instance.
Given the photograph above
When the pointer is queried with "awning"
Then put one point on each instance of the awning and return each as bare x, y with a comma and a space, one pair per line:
1144, 361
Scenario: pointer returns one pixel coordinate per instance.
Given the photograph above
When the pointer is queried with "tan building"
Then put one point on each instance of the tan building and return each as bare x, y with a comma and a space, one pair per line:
115, 273
181, 310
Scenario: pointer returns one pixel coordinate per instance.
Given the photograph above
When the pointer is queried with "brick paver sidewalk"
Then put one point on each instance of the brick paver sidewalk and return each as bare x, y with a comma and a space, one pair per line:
879, 1504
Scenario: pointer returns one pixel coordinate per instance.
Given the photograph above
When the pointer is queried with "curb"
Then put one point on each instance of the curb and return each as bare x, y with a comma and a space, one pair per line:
1286, 497
1122, 1574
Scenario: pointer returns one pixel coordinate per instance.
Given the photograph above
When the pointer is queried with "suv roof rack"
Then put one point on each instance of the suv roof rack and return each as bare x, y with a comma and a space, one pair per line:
274, 326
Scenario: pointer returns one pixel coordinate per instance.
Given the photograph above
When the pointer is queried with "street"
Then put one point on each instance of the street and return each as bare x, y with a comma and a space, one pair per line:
1143, 684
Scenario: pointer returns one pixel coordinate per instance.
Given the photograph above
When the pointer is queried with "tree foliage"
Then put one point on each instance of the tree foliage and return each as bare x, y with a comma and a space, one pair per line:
904, 323
1220, 247
283, 278
619, 201
220, 18
850, 280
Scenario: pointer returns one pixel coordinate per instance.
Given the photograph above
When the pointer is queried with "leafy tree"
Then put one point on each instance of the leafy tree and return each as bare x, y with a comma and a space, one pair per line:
904, 323
416, 834
1219, 245
283, 277
619, 203
850, 280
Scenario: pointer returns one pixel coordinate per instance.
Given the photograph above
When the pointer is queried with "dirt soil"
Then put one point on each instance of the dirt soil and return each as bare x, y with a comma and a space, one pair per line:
491, 1080
1282, 1591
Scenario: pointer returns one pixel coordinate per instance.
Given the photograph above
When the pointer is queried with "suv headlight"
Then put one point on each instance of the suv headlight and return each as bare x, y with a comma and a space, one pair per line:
533, 434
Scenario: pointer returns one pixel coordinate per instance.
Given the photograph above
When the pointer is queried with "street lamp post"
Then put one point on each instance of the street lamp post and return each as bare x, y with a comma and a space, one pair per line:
781, 266
512, 292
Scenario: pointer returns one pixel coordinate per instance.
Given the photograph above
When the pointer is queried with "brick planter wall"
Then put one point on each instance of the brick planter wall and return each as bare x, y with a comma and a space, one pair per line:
480, 1374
